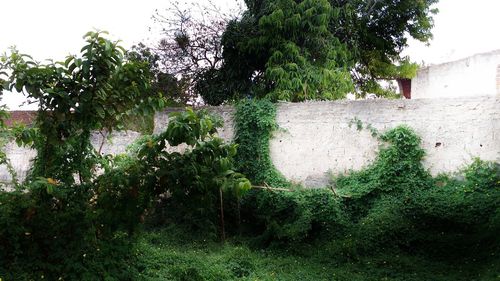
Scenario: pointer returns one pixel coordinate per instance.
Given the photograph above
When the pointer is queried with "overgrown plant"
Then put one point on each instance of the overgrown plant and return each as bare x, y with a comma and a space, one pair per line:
69, 222
255, 123
192, 182
392, 205
50, 224
395, 202
84, 93
277, 215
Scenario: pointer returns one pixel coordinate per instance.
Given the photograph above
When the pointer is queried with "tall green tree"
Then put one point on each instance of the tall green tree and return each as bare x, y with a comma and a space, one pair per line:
317, 49
92, 91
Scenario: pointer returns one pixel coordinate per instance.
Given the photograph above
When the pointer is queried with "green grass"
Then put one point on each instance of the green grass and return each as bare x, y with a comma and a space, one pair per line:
169, 254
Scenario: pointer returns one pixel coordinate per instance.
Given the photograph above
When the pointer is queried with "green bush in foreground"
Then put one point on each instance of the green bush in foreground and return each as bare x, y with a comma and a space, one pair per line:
169, 254
390, 221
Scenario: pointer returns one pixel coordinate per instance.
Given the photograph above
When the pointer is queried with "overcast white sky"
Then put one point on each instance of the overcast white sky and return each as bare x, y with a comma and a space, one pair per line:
54, 28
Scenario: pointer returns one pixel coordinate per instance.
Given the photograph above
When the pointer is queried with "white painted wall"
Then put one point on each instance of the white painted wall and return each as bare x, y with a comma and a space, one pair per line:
21, 157
473, 76
315, 137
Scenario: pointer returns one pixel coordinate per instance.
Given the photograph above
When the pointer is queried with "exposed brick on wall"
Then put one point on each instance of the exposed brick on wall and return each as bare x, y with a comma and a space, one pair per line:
405, 87
21, 117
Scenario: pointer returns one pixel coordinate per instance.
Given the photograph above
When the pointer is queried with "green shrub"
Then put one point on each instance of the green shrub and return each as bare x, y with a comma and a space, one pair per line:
55, 236
395, 202
292, 217
86, 231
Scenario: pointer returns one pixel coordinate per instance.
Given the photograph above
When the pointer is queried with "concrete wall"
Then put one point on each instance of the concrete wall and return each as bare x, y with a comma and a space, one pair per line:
315, 137
478, 75
21, 157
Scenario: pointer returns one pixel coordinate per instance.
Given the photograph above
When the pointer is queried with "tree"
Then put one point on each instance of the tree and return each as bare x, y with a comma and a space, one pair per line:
377, 31
65, 209
317, 49
174, 90
191, 46
95, 90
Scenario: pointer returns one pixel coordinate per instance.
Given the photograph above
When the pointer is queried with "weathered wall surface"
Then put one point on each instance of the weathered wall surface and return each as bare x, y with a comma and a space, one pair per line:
315, 137
477, 75
21, 157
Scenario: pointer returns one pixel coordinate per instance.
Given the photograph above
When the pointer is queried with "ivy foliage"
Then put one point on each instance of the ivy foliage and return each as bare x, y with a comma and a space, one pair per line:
255, 122
398, 168
396, 202
392, 205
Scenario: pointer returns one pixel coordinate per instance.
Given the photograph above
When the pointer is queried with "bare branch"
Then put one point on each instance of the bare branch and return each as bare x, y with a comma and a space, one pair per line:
192, 35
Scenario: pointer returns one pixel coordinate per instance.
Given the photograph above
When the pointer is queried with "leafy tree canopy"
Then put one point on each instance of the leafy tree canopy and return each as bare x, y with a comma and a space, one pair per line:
92, 91
316, 49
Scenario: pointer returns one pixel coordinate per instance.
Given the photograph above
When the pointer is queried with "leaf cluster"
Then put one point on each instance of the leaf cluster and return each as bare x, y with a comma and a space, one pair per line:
255, 122
316, 49
75, 216
93, 91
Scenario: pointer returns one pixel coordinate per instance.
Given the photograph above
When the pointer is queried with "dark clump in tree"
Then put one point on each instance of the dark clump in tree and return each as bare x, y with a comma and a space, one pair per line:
190, 50
163, 83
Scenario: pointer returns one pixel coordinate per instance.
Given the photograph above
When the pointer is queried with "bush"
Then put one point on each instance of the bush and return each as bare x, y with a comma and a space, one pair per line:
85, 231
396, 203
393, 204
55, 236
291, 217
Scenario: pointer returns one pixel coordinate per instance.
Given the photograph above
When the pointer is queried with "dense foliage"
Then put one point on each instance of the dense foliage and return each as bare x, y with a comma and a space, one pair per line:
85, 231
396, 202
75, 216
393, 203
381, 222
173, 255
255, 122
316, 49
390, 221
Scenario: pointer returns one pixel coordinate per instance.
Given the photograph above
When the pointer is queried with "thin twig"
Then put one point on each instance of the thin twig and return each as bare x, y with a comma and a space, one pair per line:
103, 140
222, 216
271, 188
333, 190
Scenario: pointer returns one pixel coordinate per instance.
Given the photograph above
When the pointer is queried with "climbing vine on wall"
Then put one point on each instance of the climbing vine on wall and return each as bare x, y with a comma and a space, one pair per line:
255, 123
